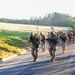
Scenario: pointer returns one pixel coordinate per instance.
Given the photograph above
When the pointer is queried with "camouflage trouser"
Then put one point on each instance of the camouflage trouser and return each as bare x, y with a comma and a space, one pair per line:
73, 39
70, 40
52, 51
34, 51
63, 46
42, 45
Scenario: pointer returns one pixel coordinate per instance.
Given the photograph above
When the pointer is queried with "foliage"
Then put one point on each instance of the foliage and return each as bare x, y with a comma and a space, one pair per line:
52, 19
73, 24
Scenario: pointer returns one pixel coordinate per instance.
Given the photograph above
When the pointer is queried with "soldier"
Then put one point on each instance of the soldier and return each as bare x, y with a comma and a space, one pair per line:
73, 31
58, 35
70, 37
63, 40
42, 42
34, 39
52, 40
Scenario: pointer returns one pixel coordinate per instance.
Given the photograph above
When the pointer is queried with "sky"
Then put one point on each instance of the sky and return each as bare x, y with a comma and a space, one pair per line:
25, 9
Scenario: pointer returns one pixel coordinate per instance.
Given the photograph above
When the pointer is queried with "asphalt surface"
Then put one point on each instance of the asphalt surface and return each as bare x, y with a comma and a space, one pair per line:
24, 65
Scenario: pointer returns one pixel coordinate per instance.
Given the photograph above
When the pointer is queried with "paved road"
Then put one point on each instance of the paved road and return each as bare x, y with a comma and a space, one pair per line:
23, 65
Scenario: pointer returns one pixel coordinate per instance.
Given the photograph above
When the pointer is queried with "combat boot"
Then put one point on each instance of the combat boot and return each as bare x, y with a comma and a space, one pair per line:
53, 60
36, 60
63, 52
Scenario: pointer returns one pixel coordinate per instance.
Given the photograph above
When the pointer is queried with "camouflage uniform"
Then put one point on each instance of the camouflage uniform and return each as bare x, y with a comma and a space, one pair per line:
42, 42
52, 40
34, 39
70, 37
73, 36
63, 40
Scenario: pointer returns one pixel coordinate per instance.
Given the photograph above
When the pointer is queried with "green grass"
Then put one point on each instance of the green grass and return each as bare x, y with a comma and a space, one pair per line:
12, 42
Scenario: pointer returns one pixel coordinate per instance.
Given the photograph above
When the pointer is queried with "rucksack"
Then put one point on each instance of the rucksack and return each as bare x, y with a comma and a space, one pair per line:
36, 41
43, 38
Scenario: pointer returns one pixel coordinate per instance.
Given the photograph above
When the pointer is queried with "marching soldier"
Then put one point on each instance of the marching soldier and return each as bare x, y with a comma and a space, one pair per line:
52, 40
73, 31
34, 40
63, 40
70, 37
42, 42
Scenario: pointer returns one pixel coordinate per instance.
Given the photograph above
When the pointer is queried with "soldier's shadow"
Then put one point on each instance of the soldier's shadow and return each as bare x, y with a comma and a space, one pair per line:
65, 58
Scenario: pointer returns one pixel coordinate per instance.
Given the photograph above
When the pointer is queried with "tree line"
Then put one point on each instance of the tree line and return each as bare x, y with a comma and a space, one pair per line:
52, 19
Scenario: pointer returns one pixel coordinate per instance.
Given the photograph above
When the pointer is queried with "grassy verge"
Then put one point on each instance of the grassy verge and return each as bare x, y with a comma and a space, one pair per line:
12, 42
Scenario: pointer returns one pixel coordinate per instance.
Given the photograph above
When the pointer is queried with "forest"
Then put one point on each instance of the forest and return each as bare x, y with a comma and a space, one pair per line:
51, 19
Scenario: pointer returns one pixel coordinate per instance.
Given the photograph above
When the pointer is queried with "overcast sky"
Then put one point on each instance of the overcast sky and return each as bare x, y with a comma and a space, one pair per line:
24, 9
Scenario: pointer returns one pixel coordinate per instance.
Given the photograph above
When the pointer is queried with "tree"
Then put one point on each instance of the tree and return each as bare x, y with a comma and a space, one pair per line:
59, 19
51, 19
73, 24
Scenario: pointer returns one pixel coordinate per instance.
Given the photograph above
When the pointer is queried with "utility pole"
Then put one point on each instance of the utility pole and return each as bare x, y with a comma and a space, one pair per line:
37, 29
